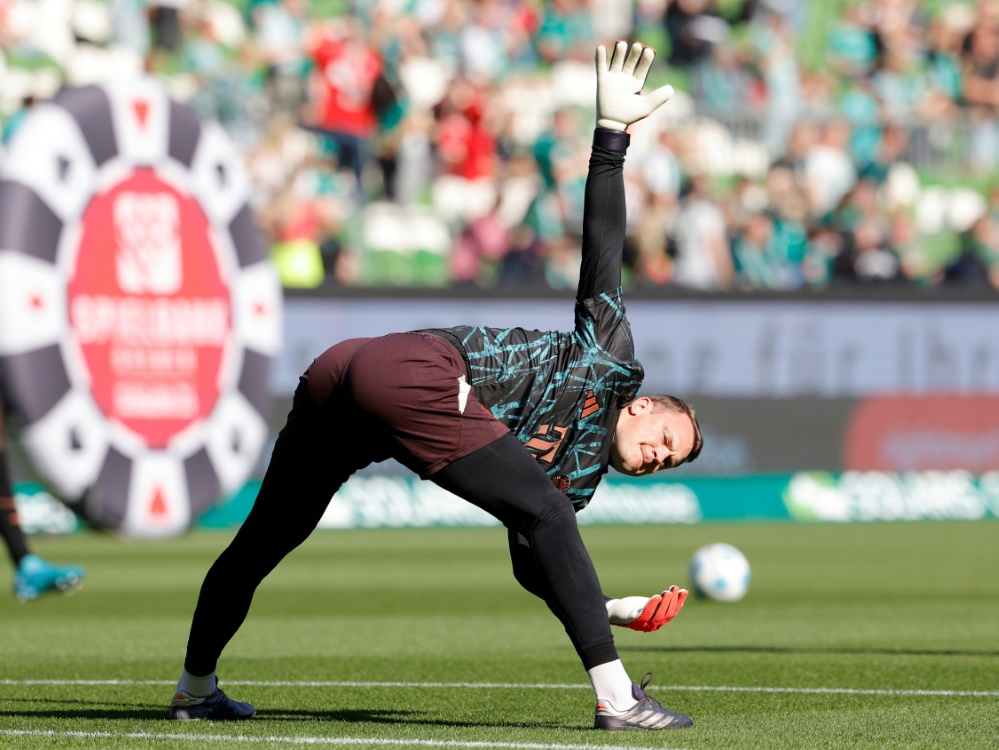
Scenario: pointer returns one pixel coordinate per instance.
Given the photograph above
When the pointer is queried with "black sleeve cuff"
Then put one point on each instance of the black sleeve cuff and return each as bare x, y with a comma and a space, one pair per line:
611, 140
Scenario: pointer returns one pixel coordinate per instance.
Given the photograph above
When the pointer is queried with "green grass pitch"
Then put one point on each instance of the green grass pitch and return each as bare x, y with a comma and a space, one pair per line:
852, 636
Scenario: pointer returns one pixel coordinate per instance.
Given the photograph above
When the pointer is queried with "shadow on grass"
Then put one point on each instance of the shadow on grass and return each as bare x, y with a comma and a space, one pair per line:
815, 650
96, 711
413, 718
88, 710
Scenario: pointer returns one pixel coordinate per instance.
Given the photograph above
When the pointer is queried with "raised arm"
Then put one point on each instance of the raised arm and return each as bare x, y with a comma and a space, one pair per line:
619, 104
603, 216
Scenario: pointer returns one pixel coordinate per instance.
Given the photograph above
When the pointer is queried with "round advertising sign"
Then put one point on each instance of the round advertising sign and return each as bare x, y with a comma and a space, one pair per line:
138, 310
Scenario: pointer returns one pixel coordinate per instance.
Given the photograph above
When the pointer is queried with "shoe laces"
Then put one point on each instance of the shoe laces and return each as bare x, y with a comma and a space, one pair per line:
646, 681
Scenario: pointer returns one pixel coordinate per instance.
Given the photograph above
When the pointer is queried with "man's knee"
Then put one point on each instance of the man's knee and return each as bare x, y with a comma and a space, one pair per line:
554, 510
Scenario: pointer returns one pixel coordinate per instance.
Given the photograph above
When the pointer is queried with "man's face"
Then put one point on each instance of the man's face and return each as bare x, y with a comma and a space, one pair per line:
649, 439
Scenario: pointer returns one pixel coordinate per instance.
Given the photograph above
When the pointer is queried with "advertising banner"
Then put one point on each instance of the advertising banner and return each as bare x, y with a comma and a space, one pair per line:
780, 385
903, 433
730, 348
138, 310
407, 502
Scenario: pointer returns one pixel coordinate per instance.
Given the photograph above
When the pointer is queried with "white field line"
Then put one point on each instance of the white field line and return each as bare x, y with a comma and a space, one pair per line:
303, 740
531, 686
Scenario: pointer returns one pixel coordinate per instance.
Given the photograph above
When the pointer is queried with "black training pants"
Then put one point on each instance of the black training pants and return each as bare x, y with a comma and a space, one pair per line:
337, 426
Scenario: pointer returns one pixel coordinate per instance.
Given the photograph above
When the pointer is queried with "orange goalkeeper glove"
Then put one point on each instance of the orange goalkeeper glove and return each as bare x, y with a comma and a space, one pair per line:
655, 613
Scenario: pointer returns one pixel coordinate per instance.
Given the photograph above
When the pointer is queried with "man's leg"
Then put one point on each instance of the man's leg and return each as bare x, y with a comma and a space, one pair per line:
307, 467
506, 481
10, 525
33, 576
320, 446
414, 387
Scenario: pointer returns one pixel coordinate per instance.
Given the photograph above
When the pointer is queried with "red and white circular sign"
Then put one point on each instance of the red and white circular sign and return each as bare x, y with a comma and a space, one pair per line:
150, 309
139, 313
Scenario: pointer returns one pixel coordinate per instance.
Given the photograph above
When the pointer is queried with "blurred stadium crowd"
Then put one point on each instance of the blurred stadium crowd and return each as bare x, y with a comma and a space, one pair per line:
444, 142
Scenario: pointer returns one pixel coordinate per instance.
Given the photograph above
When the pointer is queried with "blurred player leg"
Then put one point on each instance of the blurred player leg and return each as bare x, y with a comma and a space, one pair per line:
33, 576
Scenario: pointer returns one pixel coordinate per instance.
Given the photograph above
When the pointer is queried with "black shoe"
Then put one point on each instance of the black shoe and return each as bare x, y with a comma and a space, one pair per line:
216, 707
648, 713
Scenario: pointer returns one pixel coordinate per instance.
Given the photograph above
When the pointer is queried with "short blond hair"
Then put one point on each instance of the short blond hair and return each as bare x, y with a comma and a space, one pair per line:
665, 402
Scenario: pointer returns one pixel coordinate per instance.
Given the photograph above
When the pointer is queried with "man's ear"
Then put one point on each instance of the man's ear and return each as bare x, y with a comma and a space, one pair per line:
640, 404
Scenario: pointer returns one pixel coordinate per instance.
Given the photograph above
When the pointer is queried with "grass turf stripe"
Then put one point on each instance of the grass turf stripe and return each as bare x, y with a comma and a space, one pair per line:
532, 686
301, 740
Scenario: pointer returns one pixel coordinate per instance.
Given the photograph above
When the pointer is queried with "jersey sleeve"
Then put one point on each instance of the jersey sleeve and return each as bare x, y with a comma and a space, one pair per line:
604, 215
602, 327
600, 322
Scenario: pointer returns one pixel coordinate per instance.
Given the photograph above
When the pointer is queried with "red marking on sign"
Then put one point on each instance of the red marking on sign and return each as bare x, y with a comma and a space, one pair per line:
158, 507
141, 108
37, 302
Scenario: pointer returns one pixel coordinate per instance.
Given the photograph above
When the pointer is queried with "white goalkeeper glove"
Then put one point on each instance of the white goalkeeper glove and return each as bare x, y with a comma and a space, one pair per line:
619, 86
644, 613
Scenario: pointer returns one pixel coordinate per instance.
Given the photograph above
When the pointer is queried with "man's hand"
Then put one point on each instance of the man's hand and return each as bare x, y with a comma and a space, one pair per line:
619, 86
656, 612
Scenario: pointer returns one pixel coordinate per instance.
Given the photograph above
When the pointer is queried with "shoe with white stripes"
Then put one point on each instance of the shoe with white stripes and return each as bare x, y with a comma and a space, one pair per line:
216, 707
648, 713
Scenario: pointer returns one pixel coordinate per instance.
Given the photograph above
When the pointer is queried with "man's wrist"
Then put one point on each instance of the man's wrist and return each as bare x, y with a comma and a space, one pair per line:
611, 140
609, 124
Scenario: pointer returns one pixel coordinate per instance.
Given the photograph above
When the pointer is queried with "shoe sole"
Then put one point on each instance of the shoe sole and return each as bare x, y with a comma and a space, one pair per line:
609, 725
182, 713
65, 585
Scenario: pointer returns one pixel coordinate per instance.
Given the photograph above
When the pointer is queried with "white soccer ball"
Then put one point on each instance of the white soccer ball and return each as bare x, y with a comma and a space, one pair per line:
719, 571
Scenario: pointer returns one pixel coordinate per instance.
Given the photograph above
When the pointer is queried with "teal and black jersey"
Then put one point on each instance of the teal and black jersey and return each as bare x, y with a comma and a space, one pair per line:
560, 392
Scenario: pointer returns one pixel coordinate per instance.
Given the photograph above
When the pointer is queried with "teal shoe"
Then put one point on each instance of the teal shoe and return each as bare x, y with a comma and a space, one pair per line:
35, 576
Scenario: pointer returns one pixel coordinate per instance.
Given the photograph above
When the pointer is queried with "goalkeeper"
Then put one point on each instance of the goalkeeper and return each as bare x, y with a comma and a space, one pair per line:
521, 423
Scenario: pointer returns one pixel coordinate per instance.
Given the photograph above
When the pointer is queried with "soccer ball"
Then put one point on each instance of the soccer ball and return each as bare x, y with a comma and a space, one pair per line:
719, 571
